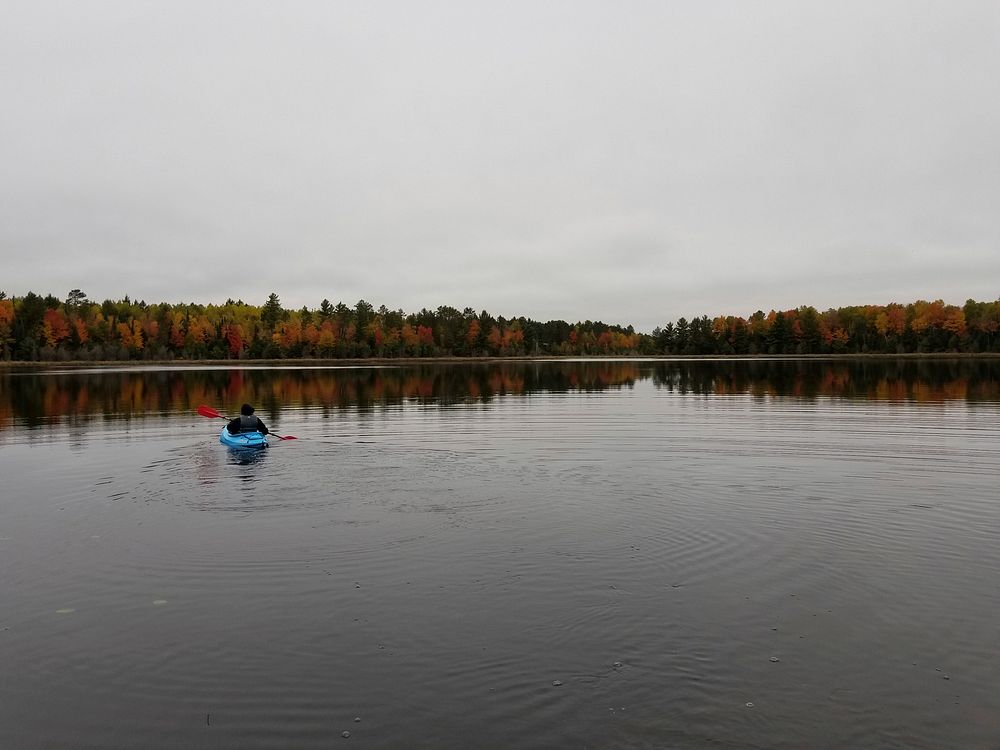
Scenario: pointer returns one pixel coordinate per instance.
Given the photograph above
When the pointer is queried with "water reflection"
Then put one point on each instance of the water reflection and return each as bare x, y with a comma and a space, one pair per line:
76, 397
875, 379
246, 457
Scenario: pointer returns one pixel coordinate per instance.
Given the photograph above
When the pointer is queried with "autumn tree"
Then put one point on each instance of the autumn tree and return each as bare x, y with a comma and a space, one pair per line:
472, 335
6, 321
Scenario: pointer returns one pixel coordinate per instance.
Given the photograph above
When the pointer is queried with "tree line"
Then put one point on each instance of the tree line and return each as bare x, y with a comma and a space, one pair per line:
917, 327
48, 328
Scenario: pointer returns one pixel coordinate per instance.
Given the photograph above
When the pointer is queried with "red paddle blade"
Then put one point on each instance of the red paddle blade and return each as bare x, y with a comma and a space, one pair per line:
284, 437
206, 412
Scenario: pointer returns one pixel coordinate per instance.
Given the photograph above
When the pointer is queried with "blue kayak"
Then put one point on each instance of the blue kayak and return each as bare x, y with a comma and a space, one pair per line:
243, 439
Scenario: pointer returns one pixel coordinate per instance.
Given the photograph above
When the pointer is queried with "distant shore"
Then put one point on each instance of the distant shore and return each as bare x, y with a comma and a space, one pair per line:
404, 361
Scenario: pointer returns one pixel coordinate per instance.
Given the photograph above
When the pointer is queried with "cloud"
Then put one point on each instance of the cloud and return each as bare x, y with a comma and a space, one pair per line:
587, 161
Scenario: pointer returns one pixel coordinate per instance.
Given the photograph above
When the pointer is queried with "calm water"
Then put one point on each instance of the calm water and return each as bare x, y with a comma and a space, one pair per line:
612, 554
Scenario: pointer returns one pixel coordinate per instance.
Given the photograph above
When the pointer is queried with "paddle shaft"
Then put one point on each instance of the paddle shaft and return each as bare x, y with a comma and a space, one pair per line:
206, 411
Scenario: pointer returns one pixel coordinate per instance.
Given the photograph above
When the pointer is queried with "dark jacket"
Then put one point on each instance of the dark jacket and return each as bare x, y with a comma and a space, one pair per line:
244, 423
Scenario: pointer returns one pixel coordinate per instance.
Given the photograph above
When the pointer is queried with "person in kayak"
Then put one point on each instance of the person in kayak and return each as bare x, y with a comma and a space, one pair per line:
246, 422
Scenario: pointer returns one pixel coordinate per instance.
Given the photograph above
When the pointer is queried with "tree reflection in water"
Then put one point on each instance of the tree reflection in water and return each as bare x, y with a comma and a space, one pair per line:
40, 398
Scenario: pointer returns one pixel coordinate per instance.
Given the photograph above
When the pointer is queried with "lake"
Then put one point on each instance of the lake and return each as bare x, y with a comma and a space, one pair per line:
590, 554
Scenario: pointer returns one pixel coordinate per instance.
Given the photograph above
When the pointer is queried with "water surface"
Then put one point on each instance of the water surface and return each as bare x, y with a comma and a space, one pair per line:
727, 554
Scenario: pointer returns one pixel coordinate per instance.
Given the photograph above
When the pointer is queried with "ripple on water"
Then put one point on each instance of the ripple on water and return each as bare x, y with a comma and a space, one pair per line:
437, 571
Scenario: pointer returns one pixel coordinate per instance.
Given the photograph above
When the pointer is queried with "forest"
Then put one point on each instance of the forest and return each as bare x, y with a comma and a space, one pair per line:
48, 328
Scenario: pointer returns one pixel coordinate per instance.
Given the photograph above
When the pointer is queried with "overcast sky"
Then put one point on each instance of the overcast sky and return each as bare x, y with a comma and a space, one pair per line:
625, 161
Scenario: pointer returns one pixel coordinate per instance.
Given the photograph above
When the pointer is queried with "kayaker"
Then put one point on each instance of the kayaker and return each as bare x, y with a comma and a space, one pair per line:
246, 422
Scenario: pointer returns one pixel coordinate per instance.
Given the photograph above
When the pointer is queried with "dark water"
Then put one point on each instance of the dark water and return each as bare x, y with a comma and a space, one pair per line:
445, 543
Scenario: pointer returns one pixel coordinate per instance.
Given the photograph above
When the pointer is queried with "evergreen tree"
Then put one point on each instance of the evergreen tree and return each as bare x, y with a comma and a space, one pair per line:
271, 314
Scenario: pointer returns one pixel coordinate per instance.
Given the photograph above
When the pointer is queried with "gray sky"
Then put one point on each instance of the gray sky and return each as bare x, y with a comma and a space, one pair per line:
626, 161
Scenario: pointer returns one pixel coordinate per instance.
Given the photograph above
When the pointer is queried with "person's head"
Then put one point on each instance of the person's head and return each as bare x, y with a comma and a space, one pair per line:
246, 410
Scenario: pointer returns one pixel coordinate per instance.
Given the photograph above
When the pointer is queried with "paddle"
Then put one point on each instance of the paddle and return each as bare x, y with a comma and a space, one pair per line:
205, 411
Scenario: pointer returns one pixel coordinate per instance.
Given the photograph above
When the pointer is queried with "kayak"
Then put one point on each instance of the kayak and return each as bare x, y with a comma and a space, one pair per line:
243, 439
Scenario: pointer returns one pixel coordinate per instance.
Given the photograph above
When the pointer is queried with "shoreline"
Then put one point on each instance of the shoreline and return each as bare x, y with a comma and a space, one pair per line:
405, 361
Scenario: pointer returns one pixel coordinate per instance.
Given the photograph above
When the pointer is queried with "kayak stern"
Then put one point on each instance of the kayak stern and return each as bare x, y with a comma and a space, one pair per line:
243, 439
